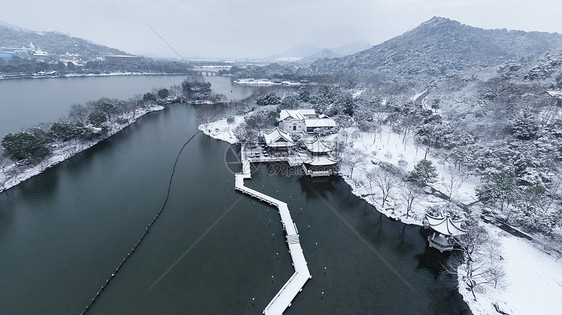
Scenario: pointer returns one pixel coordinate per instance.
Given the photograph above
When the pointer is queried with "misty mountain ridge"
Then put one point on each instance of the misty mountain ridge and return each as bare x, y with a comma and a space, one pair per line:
14, 27
53, 43
308, 52
439, 46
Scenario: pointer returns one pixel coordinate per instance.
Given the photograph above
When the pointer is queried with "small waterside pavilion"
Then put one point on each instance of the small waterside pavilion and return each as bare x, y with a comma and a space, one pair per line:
321, 161
445, 229
320, 166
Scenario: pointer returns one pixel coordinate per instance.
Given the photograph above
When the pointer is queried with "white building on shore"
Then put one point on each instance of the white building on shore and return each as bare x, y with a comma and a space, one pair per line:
304, 120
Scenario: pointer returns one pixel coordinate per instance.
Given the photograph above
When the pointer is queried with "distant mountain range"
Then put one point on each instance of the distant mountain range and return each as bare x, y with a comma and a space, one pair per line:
439, 46
52, 43
30, 54
308, 53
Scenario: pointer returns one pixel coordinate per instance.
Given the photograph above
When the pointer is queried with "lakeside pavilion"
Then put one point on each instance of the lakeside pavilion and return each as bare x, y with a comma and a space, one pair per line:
445, 229
321, 161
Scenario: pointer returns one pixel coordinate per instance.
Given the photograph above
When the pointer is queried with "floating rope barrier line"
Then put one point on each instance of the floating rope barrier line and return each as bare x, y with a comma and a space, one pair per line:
146, 230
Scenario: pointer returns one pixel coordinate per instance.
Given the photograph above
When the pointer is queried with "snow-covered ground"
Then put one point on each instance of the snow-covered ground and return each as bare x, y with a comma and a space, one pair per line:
533, 279
12, 174
222, 130
387, 146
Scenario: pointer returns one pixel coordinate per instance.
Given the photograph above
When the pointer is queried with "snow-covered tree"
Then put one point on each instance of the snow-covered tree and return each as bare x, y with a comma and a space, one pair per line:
533, 209
498, 189
290, 102
524, 126
423, 173
268, 99
244, 134
303, 94
262, 119
24, 145
97, 119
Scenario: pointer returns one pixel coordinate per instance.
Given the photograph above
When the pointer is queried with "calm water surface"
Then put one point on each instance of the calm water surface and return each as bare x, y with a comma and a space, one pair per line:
62, 233
28, 102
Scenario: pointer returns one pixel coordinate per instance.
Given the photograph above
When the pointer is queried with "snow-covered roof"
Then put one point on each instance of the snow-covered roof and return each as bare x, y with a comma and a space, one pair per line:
320, 123
299, 114
39, 52
318, 146
277, 139
323, 160
445, 225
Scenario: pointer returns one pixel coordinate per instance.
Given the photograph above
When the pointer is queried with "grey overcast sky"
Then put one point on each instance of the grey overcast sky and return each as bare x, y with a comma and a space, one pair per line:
258, 28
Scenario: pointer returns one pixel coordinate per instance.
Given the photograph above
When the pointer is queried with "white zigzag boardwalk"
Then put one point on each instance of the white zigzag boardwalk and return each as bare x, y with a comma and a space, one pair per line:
282, 300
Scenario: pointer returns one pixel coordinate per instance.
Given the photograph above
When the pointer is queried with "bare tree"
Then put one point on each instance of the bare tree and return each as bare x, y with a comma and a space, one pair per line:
131, 106
352, 159
452, 183
386, 182
78, 113
371, 175
479, 263
376, 131
205, 114
554, 190
409, 194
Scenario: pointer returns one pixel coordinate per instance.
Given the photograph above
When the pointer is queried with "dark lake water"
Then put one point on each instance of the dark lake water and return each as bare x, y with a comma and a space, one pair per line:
62, 234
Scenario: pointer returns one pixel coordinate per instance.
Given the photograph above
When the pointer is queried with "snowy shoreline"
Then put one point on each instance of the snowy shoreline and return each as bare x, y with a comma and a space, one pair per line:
533, 279
64, 152
92, 75
266, 82
525, 289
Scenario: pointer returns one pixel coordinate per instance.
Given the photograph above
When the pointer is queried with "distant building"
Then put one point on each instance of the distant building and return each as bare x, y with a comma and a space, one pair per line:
123, 58
40, 53
303, 120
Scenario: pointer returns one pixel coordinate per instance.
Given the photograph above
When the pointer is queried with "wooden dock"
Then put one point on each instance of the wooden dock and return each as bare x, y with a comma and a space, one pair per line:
282, 300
